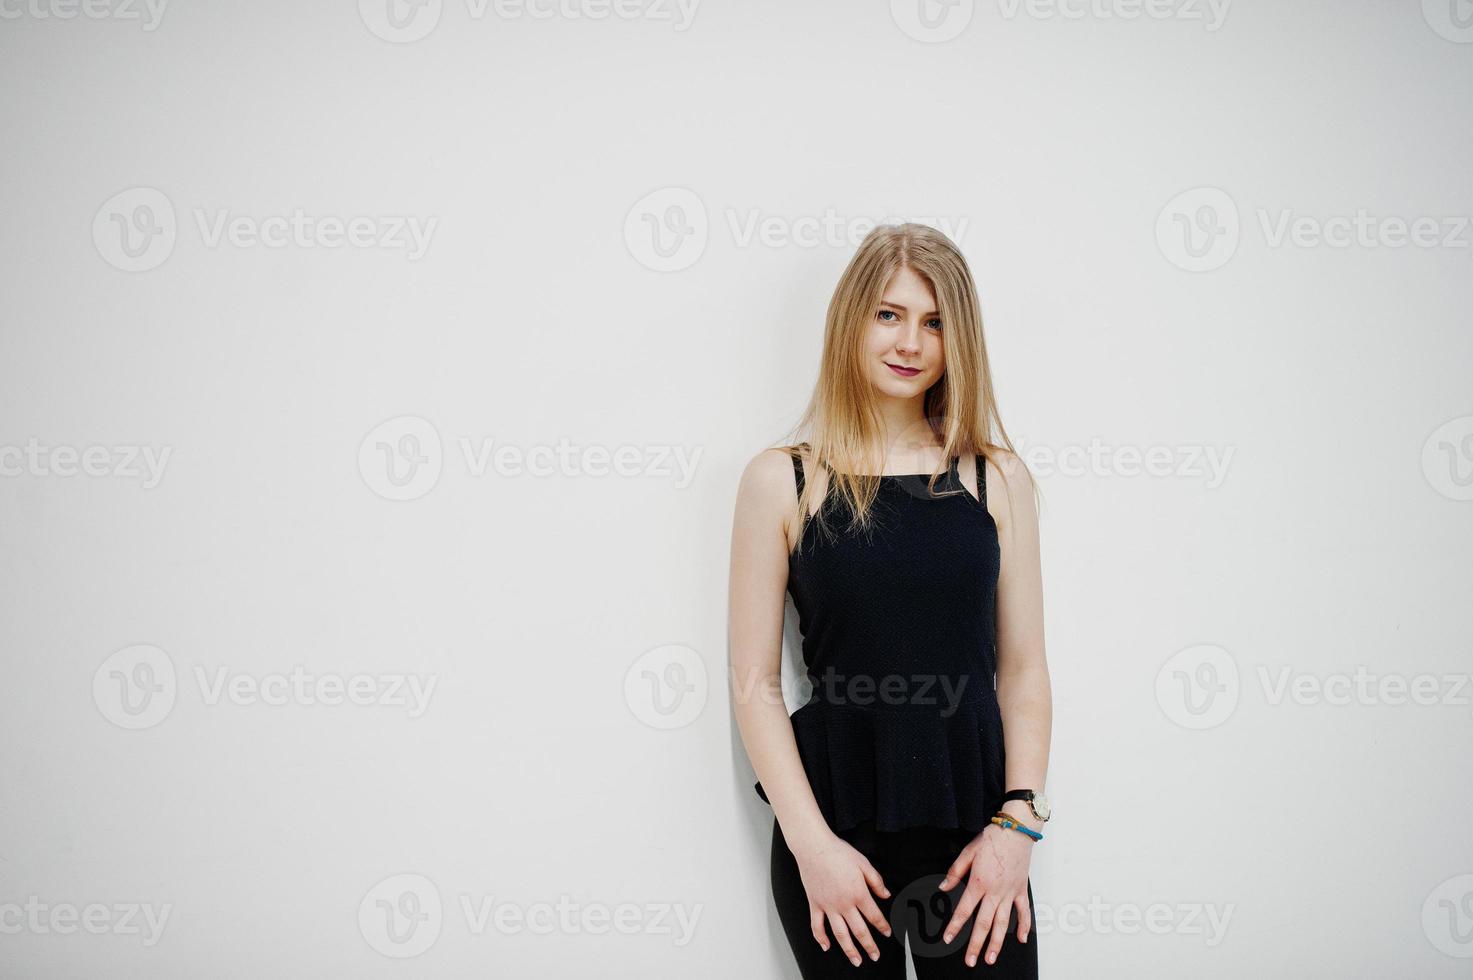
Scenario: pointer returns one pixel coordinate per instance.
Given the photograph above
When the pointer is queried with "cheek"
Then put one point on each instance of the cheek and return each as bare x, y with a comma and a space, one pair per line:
877, 341
938, 351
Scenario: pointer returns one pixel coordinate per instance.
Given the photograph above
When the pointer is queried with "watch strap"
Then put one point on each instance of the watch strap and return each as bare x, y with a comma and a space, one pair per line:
1028, 796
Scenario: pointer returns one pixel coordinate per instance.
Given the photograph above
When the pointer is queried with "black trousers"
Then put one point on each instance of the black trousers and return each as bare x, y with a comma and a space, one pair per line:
913, 862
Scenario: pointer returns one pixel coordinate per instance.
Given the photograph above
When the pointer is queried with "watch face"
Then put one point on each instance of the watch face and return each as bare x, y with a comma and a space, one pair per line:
1040, 805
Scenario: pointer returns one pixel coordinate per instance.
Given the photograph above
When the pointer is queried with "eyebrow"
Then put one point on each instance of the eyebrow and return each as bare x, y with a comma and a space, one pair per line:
902, 309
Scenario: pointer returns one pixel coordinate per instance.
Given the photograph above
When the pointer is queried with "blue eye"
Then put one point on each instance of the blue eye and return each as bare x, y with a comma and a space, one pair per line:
934, 323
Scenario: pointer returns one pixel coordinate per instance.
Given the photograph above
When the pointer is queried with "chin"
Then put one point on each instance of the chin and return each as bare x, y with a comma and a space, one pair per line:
902, 387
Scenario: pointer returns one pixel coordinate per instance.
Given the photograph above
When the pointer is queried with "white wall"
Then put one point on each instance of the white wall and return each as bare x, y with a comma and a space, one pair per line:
565, 753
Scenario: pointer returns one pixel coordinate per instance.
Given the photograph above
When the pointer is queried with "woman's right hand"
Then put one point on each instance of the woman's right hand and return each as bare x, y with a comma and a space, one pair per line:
838, 879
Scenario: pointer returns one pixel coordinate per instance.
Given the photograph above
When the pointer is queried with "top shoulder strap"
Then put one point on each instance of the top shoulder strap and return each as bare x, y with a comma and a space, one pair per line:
798, 470
982, 479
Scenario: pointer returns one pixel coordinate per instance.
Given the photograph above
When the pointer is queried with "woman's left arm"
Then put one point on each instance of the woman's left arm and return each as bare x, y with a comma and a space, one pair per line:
995, 863
1024, 694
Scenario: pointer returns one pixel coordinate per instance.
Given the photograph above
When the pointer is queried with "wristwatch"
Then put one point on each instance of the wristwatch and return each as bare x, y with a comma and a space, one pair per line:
1037, 802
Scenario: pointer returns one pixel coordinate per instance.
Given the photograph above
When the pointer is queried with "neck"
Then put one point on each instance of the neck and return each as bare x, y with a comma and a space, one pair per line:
905, 438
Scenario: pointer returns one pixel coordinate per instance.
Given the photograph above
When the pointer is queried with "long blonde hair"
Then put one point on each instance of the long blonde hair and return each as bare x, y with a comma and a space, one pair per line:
842, 423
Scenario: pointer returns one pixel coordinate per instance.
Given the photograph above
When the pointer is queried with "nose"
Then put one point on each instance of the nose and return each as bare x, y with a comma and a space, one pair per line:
908, 339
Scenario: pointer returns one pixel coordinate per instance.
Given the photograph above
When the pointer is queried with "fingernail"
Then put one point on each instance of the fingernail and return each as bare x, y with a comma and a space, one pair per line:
991, 957
855, 961
971, 961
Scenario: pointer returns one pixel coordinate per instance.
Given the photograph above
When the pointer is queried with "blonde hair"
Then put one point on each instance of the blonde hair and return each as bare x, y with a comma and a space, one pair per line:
842, 423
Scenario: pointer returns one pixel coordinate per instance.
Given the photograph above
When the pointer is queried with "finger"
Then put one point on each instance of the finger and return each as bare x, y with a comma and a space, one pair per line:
958, 870
873, 879
872, 912
965, 903
1025, 917
999, 930
860, 931
980, 929
815, 923
841, 935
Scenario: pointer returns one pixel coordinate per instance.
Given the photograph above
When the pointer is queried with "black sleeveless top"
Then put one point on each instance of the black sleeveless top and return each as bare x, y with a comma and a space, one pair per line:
898, 623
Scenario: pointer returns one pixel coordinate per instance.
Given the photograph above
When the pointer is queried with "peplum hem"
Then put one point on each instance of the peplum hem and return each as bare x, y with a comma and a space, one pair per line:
901, 767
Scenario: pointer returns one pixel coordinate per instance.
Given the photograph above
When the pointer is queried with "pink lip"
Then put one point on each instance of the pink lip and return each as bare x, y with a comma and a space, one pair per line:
904, 372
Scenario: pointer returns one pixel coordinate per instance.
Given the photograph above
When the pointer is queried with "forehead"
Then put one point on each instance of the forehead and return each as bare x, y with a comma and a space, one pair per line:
909, 289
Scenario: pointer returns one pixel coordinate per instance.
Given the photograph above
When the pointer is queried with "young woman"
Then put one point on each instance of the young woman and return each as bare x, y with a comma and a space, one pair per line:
906, 530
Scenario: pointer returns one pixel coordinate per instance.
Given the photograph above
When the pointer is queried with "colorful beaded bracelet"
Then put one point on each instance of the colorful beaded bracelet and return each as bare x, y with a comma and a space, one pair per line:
1009, 822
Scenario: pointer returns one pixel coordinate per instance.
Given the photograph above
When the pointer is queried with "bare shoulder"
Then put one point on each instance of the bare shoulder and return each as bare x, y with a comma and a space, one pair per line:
768, 482
1009, 489
1007, 468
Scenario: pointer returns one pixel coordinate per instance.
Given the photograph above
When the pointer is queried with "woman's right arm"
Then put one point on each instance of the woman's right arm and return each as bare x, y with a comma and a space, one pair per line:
759, 580
838, 879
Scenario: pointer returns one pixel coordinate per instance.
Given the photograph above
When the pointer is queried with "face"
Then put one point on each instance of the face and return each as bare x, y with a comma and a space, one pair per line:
905, 333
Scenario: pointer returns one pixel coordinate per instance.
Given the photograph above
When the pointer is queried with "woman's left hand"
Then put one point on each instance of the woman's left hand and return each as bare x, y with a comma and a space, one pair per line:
995, 867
